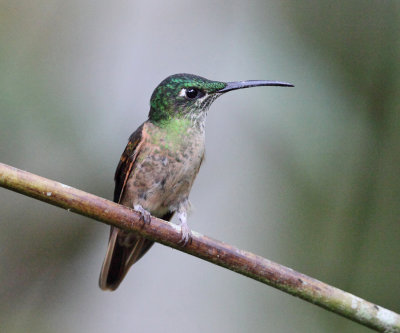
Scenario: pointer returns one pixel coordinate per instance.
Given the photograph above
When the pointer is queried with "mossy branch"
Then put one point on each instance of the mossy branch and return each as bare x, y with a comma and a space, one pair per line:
225, 255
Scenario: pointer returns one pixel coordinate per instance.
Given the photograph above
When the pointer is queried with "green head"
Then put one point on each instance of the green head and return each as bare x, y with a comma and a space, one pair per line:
190, 96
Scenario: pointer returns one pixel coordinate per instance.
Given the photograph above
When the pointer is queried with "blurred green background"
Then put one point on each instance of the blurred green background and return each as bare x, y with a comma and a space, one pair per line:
308, 176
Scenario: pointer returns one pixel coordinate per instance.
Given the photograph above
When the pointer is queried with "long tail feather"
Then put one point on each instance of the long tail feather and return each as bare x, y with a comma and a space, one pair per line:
124, 249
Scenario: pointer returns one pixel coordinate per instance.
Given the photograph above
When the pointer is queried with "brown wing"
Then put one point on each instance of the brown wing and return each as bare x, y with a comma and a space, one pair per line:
124, 249
126, 162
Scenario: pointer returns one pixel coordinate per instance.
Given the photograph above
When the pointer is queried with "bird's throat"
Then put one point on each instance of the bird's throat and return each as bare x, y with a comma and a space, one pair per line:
174, 133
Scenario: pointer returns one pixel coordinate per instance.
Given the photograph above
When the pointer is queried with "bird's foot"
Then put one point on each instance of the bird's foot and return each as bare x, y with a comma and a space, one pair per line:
186, 235
145, 214
185, 230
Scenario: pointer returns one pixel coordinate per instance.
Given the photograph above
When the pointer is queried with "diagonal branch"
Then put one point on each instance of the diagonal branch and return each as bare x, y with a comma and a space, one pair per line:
225, 255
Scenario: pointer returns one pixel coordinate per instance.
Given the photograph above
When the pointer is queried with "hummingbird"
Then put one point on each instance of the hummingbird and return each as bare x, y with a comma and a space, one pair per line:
160, 162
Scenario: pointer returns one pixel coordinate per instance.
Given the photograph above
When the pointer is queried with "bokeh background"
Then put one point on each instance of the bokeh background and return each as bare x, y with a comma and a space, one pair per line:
307, 176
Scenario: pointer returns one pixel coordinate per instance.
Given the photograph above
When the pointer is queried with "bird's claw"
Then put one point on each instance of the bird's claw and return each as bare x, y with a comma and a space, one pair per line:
186, 235
145, 214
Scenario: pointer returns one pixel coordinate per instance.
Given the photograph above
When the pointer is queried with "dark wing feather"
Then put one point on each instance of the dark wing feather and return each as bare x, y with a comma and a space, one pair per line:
120, 256
126, 162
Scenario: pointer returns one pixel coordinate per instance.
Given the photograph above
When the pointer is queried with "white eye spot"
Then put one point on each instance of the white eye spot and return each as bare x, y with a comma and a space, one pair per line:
182, 93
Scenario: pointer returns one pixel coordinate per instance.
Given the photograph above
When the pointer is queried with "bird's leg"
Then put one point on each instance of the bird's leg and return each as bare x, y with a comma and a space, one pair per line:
146, 216
185, 230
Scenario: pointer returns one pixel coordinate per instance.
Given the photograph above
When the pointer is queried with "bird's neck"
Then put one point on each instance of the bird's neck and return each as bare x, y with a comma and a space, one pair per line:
175, 133
190, 122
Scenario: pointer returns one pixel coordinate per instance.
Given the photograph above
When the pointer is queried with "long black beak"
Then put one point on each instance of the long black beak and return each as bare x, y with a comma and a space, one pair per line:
252, 83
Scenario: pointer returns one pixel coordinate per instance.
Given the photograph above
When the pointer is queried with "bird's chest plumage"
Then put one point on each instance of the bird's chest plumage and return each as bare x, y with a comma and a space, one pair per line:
165, 168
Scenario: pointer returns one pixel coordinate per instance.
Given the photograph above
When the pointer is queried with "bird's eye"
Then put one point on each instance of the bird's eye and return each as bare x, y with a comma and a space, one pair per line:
192, 93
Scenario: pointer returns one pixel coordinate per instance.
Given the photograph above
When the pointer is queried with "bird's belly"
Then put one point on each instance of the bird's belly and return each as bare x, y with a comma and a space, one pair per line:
160, 182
